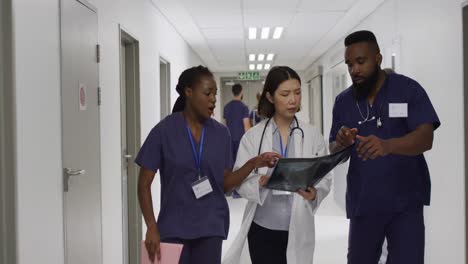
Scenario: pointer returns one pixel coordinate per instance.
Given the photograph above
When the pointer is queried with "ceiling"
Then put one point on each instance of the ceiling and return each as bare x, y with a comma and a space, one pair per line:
217, 30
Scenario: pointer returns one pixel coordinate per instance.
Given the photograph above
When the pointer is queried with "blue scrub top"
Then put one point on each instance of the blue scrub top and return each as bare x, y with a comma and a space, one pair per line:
234, 113
392, 183
168, 149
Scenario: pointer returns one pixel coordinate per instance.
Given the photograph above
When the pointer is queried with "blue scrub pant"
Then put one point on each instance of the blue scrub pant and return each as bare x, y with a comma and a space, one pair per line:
206, 250
404, 232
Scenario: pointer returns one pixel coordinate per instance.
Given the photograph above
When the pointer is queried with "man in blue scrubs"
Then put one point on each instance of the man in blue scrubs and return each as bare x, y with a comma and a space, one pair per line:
236, 116
391, 121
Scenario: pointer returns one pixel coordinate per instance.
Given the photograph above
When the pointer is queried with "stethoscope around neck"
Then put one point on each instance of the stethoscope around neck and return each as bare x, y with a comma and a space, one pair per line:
369, 118
297, 127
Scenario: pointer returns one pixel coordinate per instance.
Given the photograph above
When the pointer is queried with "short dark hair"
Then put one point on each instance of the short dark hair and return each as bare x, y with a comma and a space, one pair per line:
187, 79
362, 36
236, 89
276, 76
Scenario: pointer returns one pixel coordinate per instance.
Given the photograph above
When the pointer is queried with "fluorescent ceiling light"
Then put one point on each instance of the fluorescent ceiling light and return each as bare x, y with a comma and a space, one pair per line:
278, 32
267, 66
270, 57
230, 83
251, 57
265, 32
261, 57
252, 33
252, 67
259, 66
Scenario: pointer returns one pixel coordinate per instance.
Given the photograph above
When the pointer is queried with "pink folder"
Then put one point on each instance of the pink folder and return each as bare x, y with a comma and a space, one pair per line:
170, 254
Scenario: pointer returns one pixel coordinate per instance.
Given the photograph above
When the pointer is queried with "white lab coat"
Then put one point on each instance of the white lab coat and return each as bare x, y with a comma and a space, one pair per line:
301, 241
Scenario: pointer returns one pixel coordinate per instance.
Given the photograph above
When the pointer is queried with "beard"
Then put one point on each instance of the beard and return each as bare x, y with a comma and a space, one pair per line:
364, 89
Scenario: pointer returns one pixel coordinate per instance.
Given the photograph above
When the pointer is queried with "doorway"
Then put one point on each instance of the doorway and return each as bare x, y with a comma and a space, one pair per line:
7, 139
130, 144
80, 132
249, 89
465, 100
316, 102
165, 87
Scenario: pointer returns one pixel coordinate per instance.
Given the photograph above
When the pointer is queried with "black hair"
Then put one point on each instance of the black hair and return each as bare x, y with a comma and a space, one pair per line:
187, 79
236, 89
362, 36
276, 76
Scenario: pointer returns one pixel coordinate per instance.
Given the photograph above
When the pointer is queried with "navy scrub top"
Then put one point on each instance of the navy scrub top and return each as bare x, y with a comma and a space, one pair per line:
392, 183
234, 113
168, 149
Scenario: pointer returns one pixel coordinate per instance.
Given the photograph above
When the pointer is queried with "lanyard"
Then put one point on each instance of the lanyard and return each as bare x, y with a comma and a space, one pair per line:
198, 156
285, 152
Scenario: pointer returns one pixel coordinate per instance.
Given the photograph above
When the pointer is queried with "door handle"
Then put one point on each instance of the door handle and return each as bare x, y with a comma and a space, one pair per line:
67, 173
127, 156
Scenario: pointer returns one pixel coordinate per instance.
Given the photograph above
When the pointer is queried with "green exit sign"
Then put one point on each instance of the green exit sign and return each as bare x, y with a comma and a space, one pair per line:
249, 76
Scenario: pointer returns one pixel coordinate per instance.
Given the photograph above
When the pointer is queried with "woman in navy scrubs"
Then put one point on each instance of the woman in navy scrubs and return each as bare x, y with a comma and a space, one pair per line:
192, 152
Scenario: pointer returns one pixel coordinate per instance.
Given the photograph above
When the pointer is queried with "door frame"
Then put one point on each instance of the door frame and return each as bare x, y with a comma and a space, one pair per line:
165, 92
131, 214
465, 105
309, 84
8, 248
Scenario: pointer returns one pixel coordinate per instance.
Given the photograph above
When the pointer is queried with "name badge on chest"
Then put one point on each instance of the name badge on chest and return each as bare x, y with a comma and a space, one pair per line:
202, 187
397, 110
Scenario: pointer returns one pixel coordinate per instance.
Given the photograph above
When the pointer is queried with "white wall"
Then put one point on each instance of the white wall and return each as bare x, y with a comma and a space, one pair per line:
427, 37
40, 225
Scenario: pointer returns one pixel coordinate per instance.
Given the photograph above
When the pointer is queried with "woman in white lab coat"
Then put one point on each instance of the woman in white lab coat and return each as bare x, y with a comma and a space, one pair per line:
279, 226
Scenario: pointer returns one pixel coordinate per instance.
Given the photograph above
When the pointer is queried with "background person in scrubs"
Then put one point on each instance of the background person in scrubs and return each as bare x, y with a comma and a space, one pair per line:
236, 116
193, 155
392, 121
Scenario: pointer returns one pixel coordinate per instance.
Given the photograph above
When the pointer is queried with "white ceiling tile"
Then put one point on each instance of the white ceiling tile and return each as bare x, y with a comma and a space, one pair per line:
312, 25
226, 19
228, 50
223, 33
270, 5
213, 6
222, 54
327, 5
270, 19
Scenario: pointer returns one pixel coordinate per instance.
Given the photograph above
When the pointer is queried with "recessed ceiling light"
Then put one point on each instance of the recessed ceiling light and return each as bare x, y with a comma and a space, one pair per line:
265, 32
251, 67
278, 32
270, 57
267, 66
259, 66
252, 33
251, 57
261, 57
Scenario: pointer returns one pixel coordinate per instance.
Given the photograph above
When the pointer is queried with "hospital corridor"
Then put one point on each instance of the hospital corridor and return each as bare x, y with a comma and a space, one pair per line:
233, 131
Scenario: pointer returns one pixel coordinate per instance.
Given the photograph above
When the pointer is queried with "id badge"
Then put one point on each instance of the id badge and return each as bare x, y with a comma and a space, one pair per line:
398, 110
202, 187
277, 192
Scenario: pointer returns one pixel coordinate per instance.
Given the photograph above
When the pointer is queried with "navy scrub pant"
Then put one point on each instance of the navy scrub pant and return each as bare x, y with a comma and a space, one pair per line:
206, 250
404, 232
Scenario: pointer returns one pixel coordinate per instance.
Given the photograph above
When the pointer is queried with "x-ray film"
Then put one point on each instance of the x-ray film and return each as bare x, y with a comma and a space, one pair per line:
292, 174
